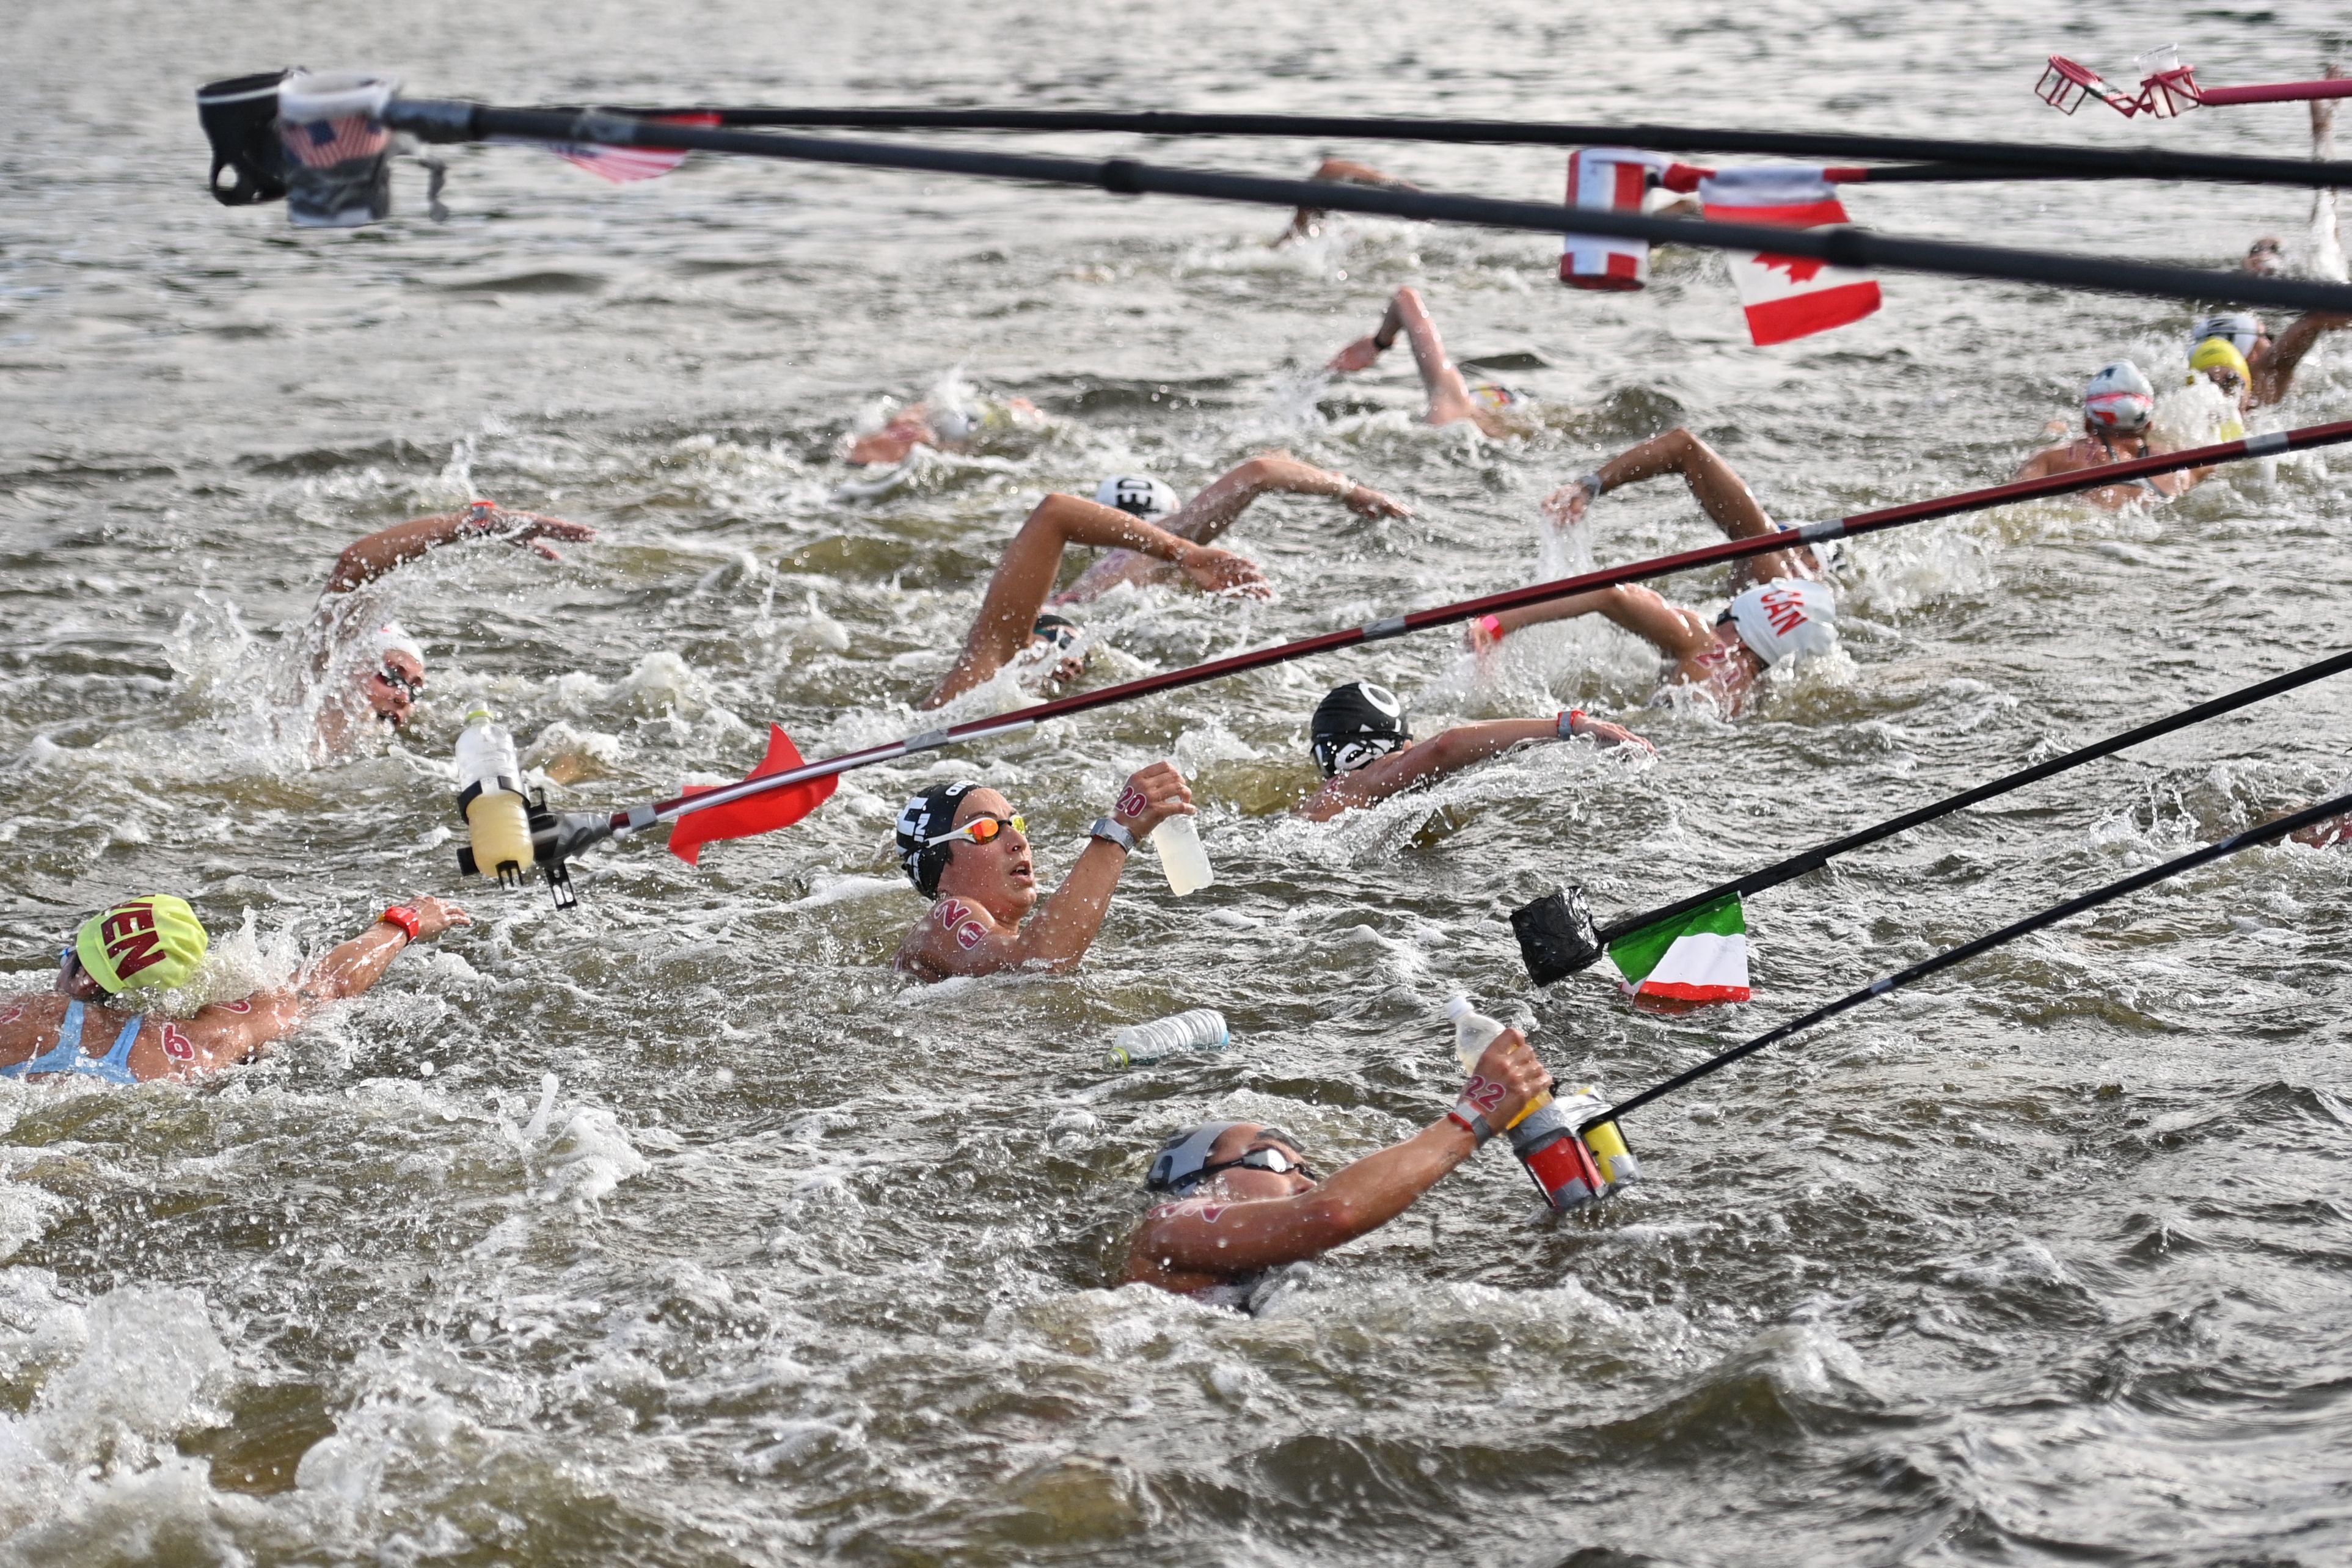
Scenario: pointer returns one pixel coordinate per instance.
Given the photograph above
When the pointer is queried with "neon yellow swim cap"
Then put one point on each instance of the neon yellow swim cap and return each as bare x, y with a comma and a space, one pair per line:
151, 941
2218, 354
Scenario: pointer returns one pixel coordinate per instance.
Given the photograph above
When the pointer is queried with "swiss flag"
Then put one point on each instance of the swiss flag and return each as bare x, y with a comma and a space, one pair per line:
1787, 297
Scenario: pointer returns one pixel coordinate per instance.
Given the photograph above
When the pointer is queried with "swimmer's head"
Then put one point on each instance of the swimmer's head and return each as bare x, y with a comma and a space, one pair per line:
1054, 639
393, 676
1494, 395
1139, 495
964, 839
2267, 256
1356, 724
2242, 328
2118, 401
953, 422
156, 942
2219, 362
1246, 1159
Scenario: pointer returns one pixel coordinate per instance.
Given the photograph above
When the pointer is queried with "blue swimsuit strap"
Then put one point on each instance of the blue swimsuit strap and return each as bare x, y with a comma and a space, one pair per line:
67, 1055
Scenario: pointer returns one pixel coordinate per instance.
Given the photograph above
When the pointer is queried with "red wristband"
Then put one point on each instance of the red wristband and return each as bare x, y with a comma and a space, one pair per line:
402, 915
1494, 625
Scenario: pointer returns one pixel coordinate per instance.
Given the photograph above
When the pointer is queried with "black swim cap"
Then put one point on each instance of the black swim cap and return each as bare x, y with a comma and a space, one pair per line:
926, 817
1356, 724
1058, 630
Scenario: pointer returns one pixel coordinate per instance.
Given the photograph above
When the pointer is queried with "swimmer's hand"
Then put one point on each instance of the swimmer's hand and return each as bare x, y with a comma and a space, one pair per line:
1367, 502
434, 916
529, 529
1608, 733
1509, 1062
1223, 572
1565, 507
1361, 355
1151, 796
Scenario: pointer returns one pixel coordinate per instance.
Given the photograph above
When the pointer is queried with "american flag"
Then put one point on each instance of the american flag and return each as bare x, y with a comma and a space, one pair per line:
623, 164
324, 144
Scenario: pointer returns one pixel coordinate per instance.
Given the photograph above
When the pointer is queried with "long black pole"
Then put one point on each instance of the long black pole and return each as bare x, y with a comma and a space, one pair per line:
1820, 855
441, 119
2264, 834
2053, 161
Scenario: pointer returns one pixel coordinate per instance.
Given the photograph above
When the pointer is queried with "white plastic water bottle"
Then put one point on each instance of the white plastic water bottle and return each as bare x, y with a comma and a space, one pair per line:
1140, 1044
1178, 842
1474, 1031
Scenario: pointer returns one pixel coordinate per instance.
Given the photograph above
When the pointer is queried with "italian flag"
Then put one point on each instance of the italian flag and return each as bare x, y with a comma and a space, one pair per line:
1701, 956
1787, 297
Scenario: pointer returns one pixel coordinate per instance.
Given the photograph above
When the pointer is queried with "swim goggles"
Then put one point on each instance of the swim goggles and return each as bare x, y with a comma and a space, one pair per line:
394, 677
1279, 1161
981, 831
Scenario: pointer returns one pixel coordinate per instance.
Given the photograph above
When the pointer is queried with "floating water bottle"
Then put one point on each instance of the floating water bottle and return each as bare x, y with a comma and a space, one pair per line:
490, 797
1142, 1044
1178, 842
1542, 1135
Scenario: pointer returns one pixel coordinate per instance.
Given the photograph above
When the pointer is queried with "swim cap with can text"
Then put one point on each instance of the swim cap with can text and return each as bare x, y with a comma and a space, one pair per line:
156, 941
1356, 724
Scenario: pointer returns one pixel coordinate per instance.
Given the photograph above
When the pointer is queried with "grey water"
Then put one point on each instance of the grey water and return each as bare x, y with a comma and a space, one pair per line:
678, 1229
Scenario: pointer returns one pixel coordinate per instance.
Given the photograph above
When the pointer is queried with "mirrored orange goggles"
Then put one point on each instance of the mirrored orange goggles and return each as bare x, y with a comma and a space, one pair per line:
981, 831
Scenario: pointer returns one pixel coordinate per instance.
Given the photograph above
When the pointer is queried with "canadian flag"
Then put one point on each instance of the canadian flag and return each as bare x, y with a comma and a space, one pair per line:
1787, 297
1611, 179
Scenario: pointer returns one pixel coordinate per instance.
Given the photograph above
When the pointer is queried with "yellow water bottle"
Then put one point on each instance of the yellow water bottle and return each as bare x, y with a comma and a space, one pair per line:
490, 797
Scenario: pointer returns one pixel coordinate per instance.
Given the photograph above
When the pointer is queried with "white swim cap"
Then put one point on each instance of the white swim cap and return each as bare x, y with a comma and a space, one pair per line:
1148, 499
2119, 399
390, 638
2242, 328
953, 422
1786, 620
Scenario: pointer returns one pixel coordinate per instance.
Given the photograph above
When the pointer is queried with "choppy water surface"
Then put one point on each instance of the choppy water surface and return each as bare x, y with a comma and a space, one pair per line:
2046, 1262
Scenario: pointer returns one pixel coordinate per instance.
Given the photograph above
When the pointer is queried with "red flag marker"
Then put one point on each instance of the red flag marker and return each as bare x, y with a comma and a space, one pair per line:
753, 813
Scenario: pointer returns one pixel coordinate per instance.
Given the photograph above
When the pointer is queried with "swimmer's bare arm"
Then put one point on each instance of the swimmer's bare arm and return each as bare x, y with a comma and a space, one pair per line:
1185, 1245
2274, 371
1340, 170
366, 559
1447, 753
226, 1034
1206, 516
1674, 629
966, 940
1033, 558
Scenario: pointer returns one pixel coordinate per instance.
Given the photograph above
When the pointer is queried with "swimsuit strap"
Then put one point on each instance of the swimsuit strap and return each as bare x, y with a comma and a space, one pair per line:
115, 1065
68, 1056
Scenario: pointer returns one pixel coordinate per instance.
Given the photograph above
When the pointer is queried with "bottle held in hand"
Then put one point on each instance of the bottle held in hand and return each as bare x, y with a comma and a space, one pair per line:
1543, 1136
1177, 842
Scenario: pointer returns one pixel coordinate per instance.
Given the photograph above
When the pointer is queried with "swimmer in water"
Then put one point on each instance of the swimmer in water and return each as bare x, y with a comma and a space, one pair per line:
1238, 1199
948, 426
1307, 222
967, 851
1452, 400
2271, 364
2117, 405
1151, 537
1364, 744
91, 1024
388, 671
1782, 609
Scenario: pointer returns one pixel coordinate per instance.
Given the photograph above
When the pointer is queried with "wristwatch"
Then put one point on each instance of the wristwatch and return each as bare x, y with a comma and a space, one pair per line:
481, 517
1110, 832
1468, 1117
1567, 725
402, 915
1594, 486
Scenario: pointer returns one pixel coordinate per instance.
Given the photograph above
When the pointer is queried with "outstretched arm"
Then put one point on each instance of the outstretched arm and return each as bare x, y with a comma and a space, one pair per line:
1449, 752
1308, 221
1017, 592
1449, 394
366, 559
1675, 630
2274, 371
1206, 516
1185, 1245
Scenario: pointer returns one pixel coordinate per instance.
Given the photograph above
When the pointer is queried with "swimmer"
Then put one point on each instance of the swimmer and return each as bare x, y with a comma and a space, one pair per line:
1238, 1199
2116, 407
1138, 518
948, 426
1781, 611
1452, 400
1364, 744
90, 1024
2271, 364
1307, 222
389, 664
967, 851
